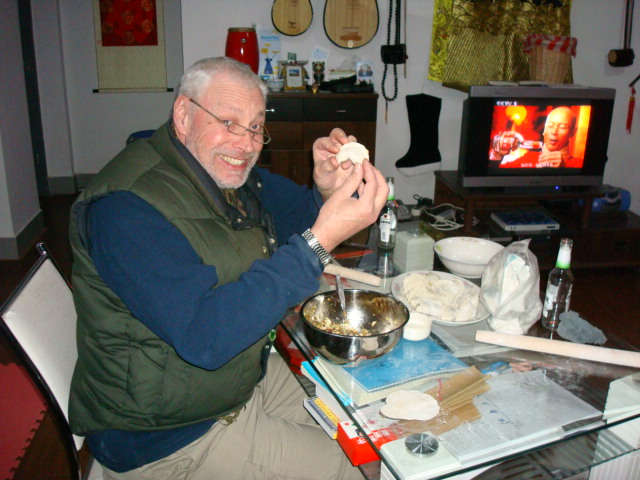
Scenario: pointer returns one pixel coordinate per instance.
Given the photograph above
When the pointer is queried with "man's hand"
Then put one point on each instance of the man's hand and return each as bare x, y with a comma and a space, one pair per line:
504, 143
328, 174
550, 159
343, 215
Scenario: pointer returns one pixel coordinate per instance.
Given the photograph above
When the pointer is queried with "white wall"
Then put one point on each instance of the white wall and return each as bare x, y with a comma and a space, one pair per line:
101, 122
51, 84
18, 192
598, 26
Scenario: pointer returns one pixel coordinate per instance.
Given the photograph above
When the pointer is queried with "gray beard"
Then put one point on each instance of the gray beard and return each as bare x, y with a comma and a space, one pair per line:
220, 182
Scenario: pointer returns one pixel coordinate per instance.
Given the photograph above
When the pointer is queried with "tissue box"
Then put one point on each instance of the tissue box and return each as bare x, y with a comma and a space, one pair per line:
413, 251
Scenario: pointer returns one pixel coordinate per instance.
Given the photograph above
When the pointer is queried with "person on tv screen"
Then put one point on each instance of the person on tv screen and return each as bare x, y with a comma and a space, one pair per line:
513, 151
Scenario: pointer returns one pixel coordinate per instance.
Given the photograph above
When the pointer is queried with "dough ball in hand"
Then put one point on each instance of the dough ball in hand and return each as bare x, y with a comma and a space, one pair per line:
352, 151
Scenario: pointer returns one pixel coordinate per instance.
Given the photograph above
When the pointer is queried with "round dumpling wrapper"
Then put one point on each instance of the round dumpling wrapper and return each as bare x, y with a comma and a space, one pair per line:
410, 405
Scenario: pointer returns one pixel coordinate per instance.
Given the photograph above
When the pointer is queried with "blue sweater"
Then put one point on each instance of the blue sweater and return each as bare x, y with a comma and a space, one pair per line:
150, 265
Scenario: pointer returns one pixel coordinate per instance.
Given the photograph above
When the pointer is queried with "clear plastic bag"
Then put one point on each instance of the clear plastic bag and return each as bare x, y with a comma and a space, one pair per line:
511, 289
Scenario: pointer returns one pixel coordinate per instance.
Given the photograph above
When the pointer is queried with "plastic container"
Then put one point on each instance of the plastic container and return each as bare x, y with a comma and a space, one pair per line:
413, 251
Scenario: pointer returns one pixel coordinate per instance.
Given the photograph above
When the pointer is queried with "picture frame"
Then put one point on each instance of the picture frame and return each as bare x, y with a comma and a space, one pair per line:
364, 72
294, 78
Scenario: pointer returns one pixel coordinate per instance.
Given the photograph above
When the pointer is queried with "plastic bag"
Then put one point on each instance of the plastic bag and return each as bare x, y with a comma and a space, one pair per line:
511, 289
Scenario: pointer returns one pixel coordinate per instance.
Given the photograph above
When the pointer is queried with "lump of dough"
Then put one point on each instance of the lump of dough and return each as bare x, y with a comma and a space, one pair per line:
352, 151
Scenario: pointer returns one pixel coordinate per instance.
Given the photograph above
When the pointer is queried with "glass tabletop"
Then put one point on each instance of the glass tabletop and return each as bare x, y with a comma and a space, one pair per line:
581, 413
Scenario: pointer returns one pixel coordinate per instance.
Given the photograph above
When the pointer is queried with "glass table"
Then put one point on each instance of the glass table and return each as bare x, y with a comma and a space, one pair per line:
544, 416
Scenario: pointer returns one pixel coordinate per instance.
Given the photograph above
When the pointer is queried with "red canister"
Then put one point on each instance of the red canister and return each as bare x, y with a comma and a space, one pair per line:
242, 44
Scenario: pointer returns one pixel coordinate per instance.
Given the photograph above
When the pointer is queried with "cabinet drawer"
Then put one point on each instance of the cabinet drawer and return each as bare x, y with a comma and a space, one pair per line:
284, 109
336, 109
285, 136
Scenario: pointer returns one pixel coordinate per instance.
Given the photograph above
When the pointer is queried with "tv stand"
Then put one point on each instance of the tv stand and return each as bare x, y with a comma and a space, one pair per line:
549, 190
602, 239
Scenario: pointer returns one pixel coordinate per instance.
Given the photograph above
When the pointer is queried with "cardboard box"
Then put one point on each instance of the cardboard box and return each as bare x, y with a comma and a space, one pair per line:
356, 446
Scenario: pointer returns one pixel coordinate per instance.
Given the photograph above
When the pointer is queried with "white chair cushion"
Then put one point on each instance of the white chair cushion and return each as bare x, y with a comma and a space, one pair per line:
43, 320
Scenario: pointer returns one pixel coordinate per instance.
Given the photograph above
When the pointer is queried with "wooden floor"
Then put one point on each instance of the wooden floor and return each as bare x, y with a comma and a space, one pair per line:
608, 298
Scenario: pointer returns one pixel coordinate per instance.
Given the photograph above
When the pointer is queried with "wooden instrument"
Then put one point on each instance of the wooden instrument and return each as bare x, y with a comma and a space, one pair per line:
351, 23
291, 17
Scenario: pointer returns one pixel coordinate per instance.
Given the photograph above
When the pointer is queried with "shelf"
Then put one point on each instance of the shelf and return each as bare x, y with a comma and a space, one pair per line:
600, 239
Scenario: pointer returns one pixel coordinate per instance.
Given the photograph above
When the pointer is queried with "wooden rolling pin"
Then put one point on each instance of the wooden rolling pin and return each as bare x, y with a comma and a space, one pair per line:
558, 347
352, 274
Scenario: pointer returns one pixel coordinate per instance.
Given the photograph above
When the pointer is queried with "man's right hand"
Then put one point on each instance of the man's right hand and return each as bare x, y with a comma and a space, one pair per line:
504, 143
344, 214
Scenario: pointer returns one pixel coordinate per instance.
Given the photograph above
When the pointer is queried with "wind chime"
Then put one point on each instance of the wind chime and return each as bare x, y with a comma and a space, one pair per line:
632, 103
393, 54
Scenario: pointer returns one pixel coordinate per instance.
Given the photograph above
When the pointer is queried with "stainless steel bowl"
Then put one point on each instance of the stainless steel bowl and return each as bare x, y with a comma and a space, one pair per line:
382, 316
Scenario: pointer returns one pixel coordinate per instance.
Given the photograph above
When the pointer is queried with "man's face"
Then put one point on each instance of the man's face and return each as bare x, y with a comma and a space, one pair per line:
558, 129
227, 157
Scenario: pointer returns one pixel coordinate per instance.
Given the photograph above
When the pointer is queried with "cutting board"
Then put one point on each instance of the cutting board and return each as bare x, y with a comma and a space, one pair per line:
291, 17
351, 23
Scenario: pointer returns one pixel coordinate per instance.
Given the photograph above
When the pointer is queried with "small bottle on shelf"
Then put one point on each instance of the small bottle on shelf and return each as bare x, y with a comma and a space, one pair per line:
559, 285
388, 221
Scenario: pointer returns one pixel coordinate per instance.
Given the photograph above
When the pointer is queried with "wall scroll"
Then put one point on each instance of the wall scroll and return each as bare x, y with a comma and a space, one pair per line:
130, 48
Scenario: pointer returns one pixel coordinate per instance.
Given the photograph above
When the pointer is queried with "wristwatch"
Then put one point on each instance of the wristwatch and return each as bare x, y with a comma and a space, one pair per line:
324, 256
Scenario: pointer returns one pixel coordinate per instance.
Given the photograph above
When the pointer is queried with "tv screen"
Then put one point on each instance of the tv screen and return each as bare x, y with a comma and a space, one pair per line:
553, 136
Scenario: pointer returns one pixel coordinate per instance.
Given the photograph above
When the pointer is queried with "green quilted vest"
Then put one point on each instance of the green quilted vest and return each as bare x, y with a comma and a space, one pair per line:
126, 377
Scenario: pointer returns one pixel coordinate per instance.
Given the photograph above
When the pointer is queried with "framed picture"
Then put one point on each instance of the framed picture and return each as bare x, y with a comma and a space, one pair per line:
364, 72
294, 78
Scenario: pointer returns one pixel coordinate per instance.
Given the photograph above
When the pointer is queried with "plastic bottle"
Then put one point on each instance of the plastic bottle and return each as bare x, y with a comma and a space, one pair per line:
559, 286
388, 221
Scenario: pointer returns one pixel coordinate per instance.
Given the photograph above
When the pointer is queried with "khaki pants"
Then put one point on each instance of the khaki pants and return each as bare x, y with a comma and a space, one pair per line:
273, 437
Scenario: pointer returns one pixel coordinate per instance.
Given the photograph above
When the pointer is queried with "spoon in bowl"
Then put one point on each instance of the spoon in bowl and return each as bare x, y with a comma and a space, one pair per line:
340, 289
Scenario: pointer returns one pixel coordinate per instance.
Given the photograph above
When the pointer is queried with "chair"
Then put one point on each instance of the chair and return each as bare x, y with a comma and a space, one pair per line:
39, 320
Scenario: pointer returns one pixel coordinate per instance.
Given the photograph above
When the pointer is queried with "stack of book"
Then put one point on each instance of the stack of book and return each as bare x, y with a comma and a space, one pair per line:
323, 407
323, 415
410, 366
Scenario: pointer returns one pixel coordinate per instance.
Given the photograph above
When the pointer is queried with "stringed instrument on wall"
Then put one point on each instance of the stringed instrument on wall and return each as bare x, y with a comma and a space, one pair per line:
291, 17
351, 23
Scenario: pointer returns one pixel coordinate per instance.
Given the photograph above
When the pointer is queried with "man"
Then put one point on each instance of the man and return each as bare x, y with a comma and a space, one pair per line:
177, 284
513, 151
559, 128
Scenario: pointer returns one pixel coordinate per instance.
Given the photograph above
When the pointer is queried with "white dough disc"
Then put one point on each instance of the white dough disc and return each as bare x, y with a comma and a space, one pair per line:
410, 405
352, 151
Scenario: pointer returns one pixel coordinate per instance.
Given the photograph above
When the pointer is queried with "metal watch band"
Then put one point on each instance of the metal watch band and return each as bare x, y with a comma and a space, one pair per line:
324, 256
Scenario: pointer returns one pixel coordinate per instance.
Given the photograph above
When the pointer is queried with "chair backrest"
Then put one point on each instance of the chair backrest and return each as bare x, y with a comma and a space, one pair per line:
41, 318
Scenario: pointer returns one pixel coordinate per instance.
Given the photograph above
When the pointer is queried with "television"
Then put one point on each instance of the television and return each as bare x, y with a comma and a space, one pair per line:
554, 137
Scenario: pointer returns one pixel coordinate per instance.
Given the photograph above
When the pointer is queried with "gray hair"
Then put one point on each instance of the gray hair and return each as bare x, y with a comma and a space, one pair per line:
197, 77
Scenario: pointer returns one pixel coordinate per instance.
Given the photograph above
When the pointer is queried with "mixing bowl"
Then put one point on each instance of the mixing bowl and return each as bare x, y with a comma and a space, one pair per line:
373, 325
466, 256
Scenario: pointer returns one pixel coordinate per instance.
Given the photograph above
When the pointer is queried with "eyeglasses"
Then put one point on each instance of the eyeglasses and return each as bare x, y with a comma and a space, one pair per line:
258, 134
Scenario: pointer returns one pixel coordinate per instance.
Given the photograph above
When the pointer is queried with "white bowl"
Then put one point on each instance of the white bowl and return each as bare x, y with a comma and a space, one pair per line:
418, 327
466, 256
275, 85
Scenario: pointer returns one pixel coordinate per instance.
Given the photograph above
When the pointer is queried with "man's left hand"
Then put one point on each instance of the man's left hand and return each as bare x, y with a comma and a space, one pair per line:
328, 174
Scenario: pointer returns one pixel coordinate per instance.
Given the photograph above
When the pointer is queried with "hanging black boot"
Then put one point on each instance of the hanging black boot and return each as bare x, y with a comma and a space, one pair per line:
424, 115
